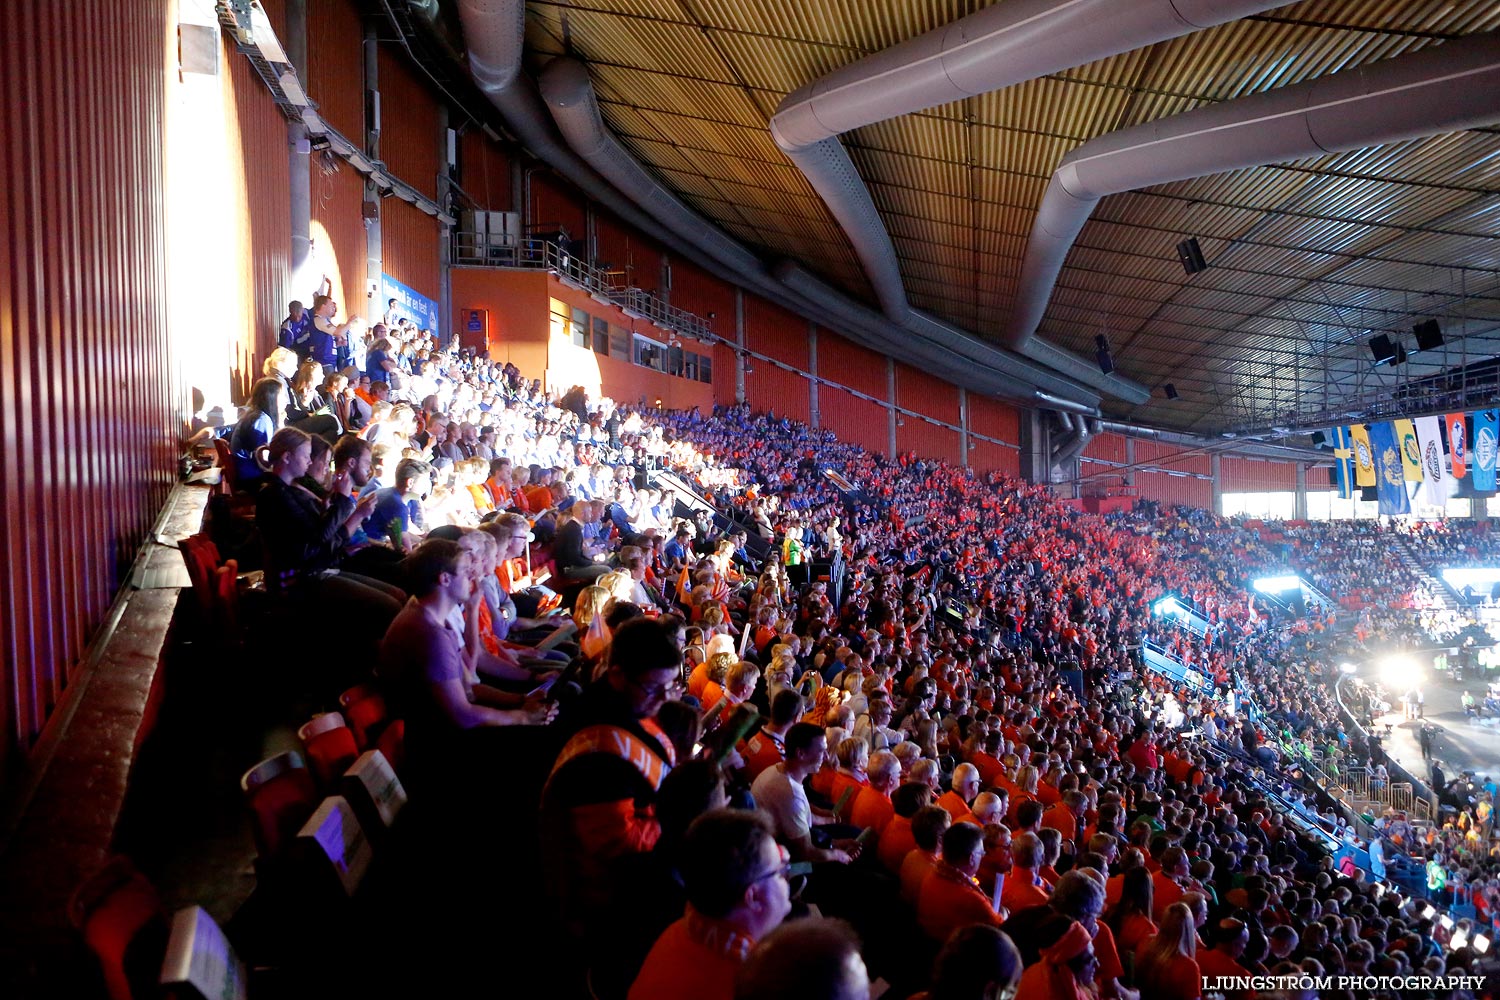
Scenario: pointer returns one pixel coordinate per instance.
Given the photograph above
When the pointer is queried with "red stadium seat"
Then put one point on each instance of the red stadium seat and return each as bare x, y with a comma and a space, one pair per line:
365, 709
282, 795
330, 747
120, 917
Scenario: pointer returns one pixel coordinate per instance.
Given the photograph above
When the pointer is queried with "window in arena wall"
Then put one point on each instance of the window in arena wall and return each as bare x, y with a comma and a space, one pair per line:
580, 328
560, 325
619, 342
601, 335
705, 368
1459, 507
1318, 504
1273, 506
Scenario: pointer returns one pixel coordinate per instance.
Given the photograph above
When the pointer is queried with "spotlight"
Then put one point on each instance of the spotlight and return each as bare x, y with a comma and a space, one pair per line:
1399, 671
1347, 668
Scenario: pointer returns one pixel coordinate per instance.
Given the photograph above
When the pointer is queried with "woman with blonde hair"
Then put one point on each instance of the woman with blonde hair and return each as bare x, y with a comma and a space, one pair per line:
1166, 965
588, 614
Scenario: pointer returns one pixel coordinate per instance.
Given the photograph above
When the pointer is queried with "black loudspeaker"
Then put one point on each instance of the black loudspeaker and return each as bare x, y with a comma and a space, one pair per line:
1382, 349
1400, 358
1191, 255
1106, 359
1320, 440
1429, 335
1171, 391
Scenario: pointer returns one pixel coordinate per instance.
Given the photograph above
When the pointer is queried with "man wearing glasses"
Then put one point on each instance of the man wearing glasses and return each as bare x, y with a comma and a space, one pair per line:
735, 875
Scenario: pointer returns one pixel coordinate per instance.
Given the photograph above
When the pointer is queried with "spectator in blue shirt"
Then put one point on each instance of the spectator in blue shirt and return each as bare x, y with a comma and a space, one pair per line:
398, 509
296, 330
254, 431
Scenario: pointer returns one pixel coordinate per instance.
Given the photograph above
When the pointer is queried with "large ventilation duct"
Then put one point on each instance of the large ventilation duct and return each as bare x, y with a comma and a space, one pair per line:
935, 346
995, 48
1259, 449
1439, 89
494, 32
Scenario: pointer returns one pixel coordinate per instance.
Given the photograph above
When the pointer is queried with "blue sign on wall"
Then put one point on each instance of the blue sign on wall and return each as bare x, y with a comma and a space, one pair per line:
416, 307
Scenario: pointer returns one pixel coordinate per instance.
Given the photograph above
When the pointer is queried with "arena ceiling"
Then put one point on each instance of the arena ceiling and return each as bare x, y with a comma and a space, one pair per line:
1307, 260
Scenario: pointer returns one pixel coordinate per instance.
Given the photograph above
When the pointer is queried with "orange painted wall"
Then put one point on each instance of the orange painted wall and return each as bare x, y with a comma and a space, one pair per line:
1174, 490
517, 305
913, 434
699, 292
989, 457
338, 232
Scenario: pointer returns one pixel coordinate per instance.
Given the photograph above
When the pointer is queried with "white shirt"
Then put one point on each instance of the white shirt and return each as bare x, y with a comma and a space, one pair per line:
784, 802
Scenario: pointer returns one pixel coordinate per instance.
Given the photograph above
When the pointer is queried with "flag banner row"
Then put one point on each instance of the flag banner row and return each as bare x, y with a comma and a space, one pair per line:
1435, 452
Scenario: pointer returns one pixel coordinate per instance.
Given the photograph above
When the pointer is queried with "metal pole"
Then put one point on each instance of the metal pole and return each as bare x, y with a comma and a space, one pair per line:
814, 417
299, 154
374, 266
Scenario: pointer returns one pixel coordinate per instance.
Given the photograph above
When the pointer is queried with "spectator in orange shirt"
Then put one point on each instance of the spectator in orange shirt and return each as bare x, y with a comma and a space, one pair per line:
950, 898
766, 748
896, 839
1023, 886
734, 874
1130, 917
1165, 883
872, 807
927, 828
1065, 971
1063, 817
1166, 965
965, 787
1223, 958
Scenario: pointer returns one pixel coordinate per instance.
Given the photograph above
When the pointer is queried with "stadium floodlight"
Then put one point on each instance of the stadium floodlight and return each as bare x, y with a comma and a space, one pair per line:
1170, 606
1277, 584
1399, 671
1481, 944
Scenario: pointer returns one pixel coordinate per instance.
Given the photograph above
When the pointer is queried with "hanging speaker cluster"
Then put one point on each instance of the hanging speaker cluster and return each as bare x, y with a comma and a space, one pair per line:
1386, 351
1429, 335
1191, 255
1106, 359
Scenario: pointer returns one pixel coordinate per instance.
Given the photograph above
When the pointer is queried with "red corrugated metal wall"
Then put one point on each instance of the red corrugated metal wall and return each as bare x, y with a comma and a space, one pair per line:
855, 420
408, 122
989, 457
631, 258
268, 197
994, 418
1174, 490
1249, 475
85, 398
1110, 447
776, 333
336, 66
701, 293
913, 434
916, 390
484, 170
338, 231
848, 364
409, 249
555, 204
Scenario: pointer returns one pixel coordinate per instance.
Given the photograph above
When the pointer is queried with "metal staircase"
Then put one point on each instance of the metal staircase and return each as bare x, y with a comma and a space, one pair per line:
1445, 595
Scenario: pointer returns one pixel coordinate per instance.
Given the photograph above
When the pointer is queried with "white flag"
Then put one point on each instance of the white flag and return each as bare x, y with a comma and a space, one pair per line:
1437, 480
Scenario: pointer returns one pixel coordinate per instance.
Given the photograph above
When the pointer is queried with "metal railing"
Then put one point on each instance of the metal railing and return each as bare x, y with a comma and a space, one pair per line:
473, 249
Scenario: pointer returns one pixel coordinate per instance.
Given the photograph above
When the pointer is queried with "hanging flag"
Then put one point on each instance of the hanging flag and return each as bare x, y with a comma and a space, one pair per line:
1437, 484
1485, 439
1458, 443
1411, 454
1343, 462
1364, 458
1389, 480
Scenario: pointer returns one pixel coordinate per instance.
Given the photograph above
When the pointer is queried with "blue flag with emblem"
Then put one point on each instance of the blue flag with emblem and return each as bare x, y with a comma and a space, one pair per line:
1486, 437
1390, 477
1343, 462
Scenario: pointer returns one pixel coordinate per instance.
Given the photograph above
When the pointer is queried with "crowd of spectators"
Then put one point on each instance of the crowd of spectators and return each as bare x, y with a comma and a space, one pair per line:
904, 693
